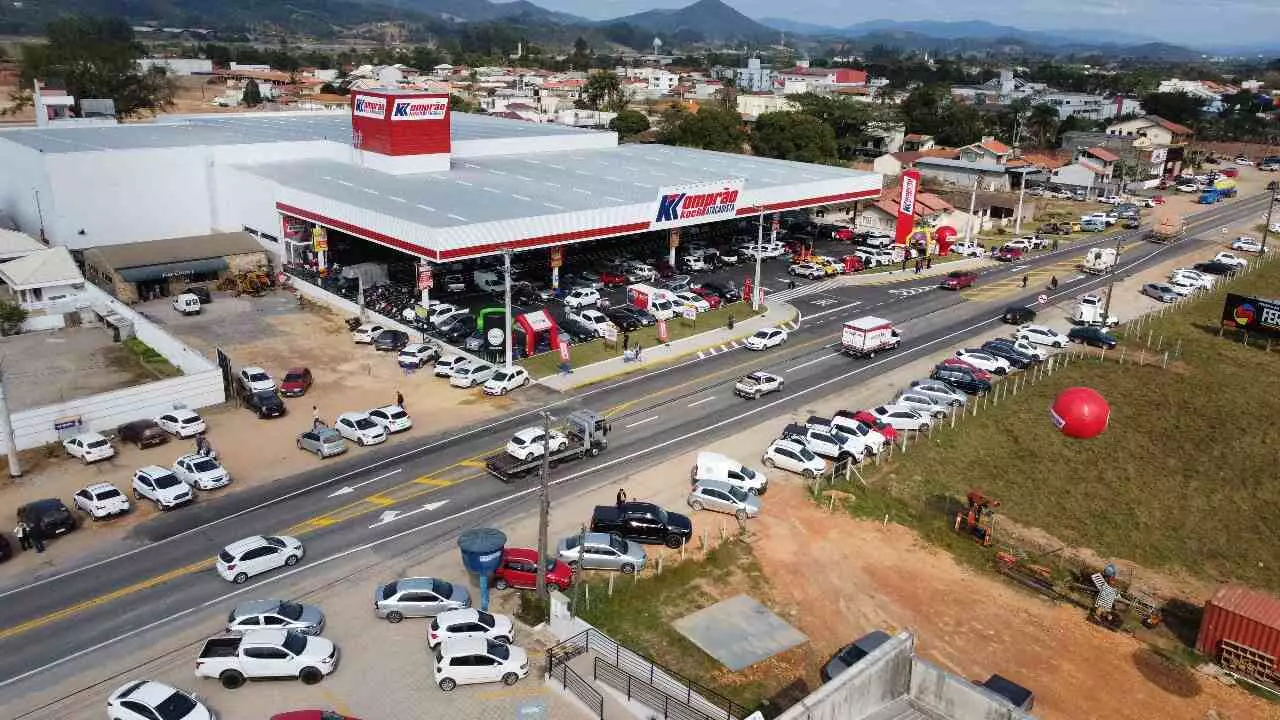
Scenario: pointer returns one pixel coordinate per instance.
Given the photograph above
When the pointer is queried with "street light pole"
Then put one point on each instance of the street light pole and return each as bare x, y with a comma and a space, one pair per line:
973, 200
1267, 229
1017, 220
1111, 286
506, 286
755, 285
544, 505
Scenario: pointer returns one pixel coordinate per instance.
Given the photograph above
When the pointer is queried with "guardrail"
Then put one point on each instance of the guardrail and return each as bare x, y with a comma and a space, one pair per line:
644, 693
558, 670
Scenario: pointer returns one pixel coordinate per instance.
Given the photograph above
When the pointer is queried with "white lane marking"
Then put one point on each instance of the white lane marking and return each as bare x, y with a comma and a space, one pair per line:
389, 515
814, 361
352, 488
641, 422
832, 310
703, 400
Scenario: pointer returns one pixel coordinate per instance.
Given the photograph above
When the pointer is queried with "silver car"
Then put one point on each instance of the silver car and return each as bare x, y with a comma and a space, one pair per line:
418, 597
276, 615
324, 442
722, 497
602, 551
939, 392
1160, 291
924, 404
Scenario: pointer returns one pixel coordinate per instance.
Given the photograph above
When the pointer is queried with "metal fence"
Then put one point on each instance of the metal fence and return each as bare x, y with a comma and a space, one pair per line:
558, 670
644, 693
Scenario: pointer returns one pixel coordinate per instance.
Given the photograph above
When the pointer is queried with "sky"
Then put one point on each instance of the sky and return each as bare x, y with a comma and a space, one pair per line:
1195, 23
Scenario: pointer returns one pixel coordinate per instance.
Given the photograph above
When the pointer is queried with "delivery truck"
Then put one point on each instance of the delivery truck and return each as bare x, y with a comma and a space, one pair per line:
1099, 260
866, 336
658, 303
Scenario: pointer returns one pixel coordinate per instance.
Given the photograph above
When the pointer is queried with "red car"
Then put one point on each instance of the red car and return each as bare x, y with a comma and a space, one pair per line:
712, 299
1008, 254
977, 372
842, 233
519, 569
852, 263
959, 279
866, 418
296, 382
610, 278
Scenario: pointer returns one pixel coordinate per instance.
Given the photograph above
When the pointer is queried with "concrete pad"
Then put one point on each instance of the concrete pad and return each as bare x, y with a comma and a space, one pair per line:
739, 632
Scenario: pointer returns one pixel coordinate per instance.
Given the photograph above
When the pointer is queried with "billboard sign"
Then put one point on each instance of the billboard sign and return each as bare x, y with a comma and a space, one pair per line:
425, 279
1252, 314
369, 106
682, 205
907, 206
420, 109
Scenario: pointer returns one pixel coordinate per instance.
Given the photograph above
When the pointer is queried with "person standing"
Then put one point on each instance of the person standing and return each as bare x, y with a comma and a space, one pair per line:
928, 263
622, 497
637, 352
400, 399
37, 537
626, 341
24, 538
1024, 281
315, 417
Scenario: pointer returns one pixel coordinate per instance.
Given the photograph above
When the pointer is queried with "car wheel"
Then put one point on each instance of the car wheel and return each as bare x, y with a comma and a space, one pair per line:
1058, 344
768, 462
808, 474
501, 584
695, 504
240, 578
310, 676
231, 679
291, 561
627, 569
510, 679
673, 541
526, 382
448, 684
395, 616
137, 495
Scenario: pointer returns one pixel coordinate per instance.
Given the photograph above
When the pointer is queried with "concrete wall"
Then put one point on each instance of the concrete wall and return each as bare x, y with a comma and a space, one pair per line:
24, 175
877, 680
956, 697
174, 350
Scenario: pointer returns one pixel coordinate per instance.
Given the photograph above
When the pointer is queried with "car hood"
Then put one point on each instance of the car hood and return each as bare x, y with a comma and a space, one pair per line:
311, 615
292, 385
676, 521
317, 648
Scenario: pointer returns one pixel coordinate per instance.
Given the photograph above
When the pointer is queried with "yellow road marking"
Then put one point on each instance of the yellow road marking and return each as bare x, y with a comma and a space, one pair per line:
472, 463
424, 480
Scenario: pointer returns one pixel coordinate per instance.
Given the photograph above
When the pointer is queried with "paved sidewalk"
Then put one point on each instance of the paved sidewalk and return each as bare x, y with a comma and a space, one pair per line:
777, 314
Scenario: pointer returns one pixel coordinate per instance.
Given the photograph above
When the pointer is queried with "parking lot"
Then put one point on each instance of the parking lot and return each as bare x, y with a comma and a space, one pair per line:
50, 367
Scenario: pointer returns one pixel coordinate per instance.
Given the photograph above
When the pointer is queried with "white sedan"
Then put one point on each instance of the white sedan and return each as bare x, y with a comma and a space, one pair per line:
1188, 188
391, 418
505, 380
1245, 243
1183, 286
360, 428
984, 361
365, 334
449, 364
183, 423
1204, 280
793, 456
901, 417
693, 300
89, 447
529, 443
765, 339
595, 320
201, 472
149, 700
922, 403
1041, 335
470, 623
472, 375
255, 379
1231, 259
101, 500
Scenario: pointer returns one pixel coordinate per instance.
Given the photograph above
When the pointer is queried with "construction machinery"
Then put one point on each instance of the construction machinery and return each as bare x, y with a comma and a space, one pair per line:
978, 519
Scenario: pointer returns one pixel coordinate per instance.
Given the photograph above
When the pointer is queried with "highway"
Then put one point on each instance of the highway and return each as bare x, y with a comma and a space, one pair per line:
430, 490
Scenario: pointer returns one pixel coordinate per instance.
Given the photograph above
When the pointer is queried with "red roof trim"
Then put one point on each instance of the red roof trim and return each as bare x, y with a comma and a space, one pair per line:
370, 235
825, 199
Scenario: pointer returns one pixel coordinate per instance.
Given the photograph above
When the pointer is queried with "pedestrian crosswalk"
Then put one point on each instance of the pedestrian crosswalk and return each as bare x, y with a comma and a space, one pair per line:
810, 288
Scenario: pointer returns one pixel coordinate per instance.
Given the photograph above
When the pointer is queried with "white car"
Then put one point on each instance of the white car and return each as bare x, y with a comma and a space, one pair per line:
1188, 188
1241, 160
359, 428
447, 365
445, 314
365, 334
89, 447
639, 272
470, 623
162, 487
472, 375
695, 263
595, 320
416, 355
255, 379
528, 443
1204, 280
984, 361
505, 380
1274, 227
1041, 335
101, 500
765, 339
251, 556
1183, 286
149, 700
900, 417
201, 472
693, 300
1028, 348
582, 298
464, 661
1023, 243
923, 404
391, 418
807, 270
1244, 243
793, 456
184, 423
937, 392
1231, 259
967, 248
871, 438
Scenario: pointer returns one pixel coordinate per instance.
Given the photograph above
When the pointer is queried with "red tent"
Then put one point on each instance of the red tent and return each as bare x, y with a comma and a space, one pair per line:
537, 322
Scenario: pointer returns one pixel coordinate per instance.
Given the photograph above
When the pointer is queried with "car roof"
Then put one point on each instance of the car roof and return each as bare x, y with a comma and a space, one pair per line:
713, 484
89, 437
154, 470
248, 543
252, 369
44, 502
296, 369
255, 607
788, 444
464, 646
99, 487
597, 538
353, 415
149, 692
415, 583
194, 456
388, 408
458, 615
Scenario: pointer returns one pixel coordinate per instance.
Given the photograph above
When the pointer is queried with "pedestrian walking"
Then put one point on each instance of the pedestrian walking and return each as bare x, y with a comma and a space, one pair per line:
622, 497
316, 422
400, 399
904, 263
637, 352
1053, 283
626, 341
565, 369
918, 266
1024, 281
730, 323
928, 263
791, 284
37, 538
24, 538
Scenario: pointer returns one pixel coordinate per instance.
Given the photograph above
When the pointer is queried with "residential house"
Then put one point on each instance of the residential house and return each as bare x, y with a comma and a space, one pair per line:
989, 176
1079, 176
882, 215
177, 67
917, 141
1100, 159
803, 78
882, 138
752, 106
892, 164
14, 244
986, 150
47, 284
1158, 146
1089, 106
1153, 127
1208, 93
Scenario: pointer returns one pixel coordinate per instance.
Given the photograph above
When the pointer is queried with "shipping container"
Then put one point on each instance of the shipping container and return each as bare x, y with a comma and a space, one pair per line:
1241, 630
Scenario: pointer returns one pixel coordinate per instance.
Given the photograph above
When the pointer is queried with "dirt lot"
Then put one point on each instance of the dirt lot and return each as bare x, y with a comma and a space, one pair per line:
51, 367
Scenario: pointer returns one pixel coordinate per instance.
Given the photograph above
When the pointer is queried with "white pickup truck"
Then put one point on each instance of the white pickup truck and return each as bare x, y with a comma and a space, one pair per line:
232, 659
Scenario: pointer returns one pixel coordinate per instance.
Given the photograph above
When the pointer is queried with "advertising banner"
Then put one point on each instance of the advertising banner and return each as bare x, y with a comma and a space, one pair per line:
420, 109
425, 280
557, 257
682, 205
907, 206
564, 350
1252, 314
662, 330
319, 239
369, 106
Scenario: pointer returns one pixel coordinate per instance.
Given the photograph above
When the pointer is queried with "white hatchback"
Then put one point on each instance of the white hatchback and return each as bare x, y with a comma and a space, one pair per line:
470, 623
391, 418
464, 661
1041, 335
365, 334
255, 378
447, 365
582, 298
101, 500
148, 700
505, 380
89, 447
984, 361
529, 444
184, 423
472, 375
255, 555
901, 417
201, 472
793, 456
359, 428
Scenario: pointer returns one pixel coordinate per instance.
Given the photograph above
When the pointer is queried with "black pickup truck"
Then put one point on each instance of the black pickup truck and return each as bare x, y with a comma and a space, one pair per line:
643, 522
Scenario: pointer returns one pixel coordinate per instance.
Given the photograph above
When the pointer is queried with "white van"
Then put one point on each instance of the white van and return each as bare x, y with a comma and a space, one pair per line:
714, 466
659, 303
187, 304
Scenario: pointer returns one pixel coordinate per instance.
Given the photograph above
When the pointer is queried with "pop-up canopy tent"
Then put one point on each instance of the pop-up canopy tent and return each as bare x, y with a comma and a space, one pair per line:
538, 322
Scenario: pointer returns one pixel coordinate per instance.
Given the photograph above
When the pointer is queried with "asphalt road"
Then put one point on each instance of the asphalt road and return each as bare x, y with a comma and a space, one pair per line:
432, 490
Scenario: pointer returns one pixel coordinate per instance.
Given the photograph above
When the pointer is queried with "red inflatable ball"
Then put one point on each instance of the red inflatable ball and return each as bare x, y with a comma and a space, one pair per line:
1080, 412
946, 232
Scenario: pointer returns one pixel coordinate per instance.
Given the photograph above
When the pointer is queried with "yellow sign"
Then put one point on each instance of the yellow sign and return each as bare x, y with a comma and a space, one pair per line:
319, 239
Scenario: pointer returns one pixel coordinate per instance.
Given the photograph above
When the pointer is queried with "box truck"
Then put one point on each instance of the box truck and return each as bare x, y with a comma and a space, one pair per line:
867, 336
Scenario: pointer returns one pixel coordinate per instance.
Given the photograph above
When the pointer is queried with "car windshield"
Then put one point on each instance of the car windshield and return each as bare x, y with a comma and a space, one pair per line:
97, 444
617, 543
500, 376
259, 377
442, 588
498, 650
226, 557
763, 334
204, 465
388, 591
265, 396
176, 706
805, 454
167, 481
365, 423
107, 494
293, 377
738, 494
518, 441
295, 642
397, 414
293, 611
274, 541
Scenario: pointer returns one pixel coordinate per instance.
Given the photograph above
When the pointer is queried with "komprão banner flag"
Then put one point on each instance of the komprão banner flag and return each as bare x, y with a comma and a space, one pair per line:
907, 206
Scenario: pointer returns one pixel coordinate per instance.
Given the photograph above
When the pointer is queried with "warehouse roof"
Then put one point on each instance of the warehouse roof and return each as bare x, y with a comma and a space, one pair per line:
157, 252
248, 128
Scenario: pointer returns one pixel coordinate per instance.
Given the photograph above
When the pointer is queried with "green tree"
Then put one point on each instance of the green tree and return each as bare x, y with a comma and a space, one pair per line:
604, 91
1177, 107
580, 59
1042, 124
850, 121
794, 136
629, 123
924, 109
94, 58
12, 315
252, 95
710, 128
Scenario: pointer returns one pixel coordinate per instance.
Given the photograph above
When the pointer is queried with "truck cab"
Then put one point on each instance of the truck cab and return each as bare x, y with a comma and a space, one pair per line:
657, 302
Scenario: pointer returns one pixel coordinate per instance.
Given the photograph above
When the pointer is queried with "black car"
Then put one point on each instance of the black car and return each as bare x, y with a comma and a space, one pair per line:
1018, 315
49, 517
645, 317
1018, 696
266, 403
6, 550
575, 329
1004, 347
960, 379
201, 293
852, 653
458, 330
1092, 335
625, 320
726, 293
391, 340
1216, 268
1017, 360
143, 433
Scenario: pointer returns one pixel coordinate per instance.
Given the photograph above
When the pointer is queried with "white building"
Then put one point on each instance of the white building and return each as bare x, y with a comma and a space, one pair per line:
1195, 88
1088, 106
178, 66
754, 77
658, 81
46, 283
752, 106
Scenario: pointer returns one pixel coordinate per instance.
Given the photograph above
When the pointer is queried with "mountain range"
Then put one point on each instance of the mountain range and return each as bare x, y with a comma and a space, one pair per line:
965, 30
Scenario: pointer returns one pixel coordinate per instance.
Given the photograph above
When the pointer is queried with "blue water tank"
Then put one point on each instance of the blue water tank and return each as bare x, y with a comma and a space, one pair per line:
482, 550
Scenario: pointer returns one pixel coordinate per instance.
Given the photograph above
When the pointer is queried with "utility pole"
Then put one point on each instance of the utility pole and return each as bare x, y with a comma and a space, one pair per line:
1266, 230
1111, 286
544, 502
1022, 190
755, 286
15, 466
577, 582
506, 330
973, 201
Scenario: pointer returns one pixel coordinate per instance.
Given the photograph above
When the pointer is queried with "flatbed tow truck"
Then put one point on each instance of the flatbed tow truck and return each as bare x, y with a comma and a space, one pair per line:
586, 430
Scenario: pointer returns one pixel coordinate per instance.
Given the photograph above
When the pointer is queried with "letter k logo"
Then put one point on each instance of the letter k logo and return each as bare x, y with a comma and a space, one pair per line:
669, 207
